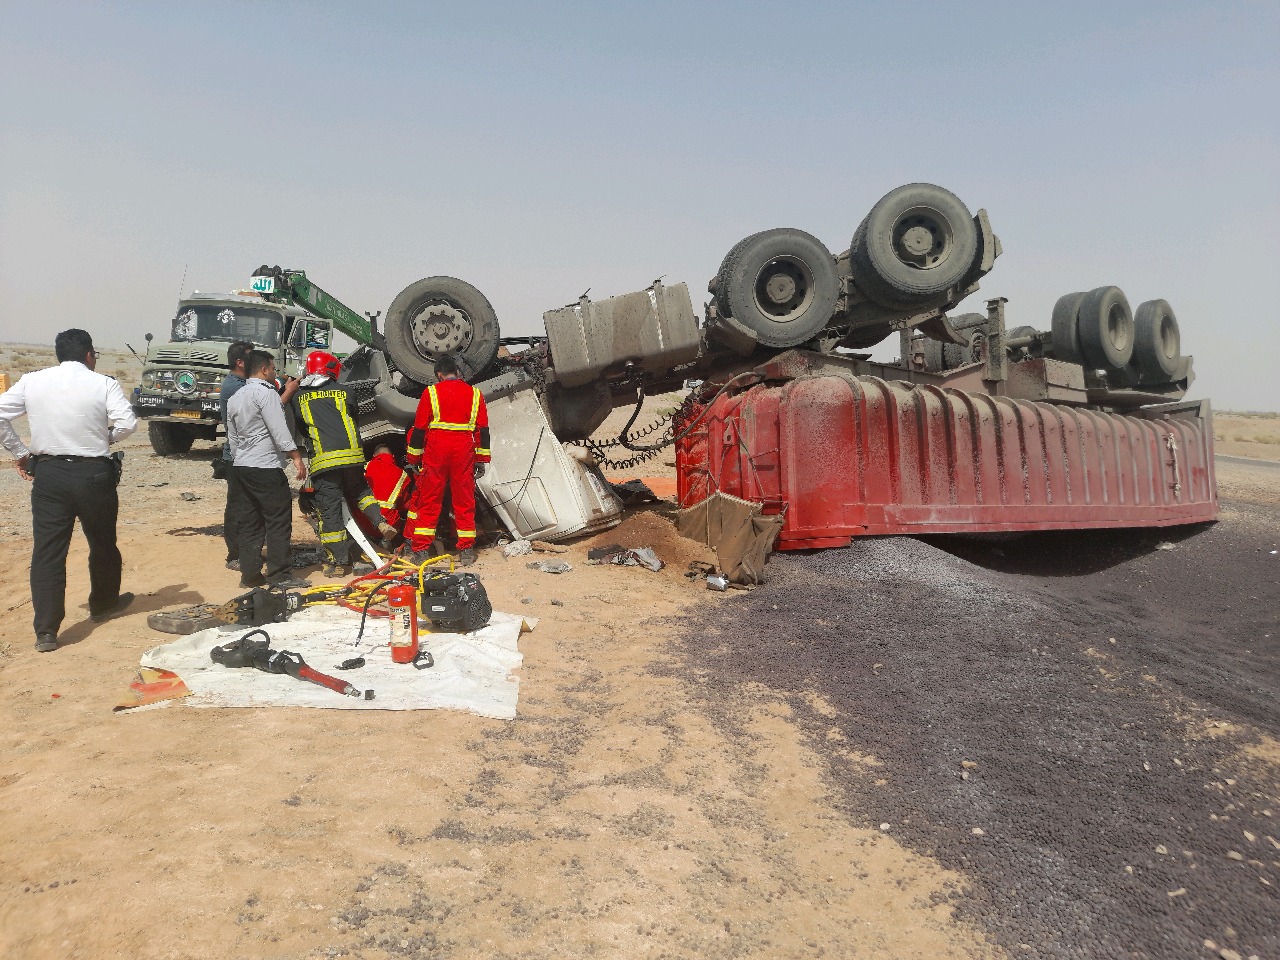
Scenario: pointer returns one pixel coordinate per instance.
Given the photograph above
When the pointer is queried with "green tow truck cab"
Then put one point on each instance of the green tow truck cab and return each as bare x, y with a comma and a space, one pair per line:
181, 379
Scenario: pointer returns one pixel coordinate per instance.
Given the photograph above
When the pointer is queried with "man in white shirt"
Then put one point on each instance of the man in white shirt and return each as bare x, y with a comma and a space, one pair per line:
75, 415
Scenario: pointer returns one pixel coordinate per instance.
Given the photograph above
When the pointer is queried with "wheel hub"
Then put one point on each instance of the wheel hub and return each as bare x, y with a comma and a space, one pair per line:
1117, 329
784, 288
780, 288
922, 239
441, 328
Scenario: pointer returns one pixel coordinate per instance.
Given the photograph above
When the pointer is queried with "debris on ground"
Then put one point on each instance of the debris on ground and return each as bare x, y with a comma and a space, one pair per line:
632, 492
625, 556
189, 497
541, 546
517, 548
550, 566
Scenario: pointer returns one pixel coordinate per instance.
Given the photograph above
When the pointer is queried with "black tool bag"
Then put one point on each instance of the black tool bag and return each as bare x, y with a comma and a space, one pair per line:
457, 602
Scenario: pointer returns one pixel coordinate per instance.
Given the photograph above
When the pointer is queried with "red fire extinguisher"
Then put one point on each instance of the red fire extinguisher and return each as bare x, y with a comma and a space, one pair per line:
402, 601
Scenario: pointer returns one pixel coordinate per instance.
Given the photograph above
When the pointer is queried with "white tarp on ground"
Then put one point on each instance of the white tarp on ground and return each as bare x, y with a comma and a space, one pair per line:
473, 672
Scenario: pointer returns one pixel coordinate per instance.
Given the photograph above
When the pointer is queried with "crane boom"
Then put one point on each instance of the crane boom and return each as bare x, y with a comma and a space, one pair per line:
292, 286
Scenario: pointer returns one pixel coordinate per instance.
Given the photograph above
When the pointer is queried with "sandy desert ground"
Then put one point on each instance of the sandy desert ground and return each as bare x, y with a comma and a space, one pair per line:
691, 774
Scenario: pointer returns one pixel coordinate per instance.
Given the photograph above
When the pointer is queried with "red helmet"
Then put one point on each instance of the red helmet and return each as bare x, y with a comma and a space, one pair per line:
325, 363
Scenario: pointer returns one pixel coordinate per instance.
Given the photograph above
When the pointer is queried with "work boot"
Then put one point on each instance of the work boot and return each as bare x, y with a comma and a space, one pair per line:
466, 556
335, 571
419, 557
46, 643
119, 606
288, 583
233, 564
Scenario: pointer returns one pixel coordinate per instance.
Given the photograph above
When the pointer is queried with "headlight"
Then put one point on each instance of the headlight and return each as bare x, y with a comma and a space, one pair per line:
148, 379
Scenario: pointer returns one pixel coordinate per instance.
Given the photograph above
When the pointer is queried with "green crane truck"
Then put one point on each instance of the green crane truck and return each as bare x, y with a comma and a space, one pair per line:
288, 315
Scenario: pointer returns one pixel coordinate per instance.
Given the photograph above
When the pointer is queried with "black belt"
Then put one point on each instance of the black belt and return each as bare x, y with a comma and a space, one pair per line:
75, 458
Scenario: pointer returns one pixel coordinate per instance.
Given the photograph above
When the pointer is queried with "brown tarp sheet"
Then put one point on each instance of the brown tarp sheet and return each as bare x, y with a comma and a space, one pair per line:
736, 530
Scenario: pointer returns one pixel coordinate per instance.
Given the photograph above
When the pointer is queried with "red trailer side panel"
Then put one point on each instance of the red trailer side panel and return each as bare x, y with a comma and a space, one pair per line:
848, 457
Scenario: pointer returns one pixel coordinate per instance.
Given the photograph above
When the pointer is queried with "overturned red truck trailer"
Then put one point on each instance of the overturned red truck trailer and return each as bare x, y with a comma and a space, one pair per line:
842, 452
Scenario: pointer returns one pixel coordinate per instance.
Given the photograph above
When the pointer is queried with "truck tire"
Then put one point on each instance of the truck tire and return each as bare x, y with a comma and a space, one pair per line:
168, 439
436, 316
918, 241
1105, 328
1066, 338
782, 285
1157, 344
717, 286
948, 356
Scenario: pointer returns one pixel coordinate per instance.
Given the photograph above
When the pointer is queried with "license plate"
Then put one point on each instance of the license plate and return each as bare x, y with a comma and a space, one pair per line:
193, 414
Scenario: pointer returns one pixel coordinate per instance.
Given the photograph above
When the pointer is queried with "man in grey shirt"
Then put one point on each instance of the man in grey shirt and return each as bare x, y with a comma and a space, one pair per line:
259, 440
231, 384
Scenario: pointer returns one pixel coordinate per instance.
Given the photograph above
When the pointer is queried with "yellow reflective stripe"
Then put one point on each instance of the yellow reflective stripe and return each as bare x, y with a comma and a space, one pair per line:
438, 424
394, 495
333, 537
410, 515
435, 403
466, 533
413, 451
368, 502
424, 531
483, 451
338, 458
352, 433
395, 492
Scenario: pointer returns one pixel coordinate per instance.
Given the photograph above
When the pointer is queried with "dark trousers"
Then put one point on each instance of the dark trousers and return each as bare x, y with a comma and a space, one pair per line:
231, 514
65, 491
333, 488
266, 513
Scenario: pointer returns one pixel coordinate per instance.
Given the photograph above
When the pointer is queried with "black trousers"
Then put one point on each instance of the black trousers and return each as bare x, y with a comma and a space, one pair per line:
63, 492
231, 515
333, 487
266, 513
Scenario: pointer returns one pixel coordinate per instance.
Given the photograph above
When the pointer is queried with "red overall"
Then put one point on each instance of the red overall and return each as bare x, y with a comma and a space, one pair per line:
391, 487
450, 435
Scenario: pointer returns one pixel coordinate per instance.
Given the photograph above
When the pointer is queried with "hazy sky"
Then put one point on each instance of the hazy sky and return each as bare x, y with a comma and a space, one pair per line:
537, 149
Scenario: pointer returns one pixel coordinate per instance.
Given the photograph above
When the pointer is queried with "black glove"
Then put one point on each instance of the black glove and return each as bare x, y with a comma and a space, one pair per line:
479, 470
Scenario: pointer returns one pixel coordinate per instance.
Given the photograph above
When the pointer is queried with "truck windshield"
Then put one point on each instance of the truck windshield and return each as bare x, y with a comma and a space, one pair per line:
220, 322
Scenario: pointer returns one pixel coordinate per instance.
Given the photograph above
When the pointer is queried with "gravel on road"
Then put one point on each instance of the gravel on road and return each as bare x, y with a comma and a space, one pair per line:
1079, 723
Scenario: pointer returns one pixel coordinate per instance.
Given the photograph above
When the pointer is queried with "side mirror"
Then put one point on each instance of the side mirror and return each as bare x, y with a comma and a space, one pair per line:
150, 338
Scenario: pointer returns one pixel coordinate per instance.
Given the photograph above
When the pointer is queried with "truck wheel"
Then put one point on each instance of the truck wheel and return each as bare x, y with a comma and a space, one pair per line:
170, 438
781, 284
1105, 328
718, 286
1157, 344
1066, 338
918, 241
436, 316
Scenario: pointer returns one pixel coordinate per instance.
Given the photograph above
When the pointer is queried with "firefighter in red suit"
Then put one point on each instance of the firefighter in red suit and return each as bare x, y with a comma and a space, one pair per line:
391, 485
449, 442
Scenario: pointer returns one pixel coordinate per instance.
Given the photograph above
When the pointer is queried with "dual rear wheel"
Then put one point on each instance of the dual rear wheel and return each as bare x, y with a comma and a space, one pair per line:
1098, 330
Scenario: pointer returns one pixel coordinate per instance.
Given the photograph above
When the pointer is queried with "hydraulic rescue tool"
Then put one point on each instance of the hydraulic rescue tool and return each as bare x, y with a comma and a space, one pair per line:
248, 652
